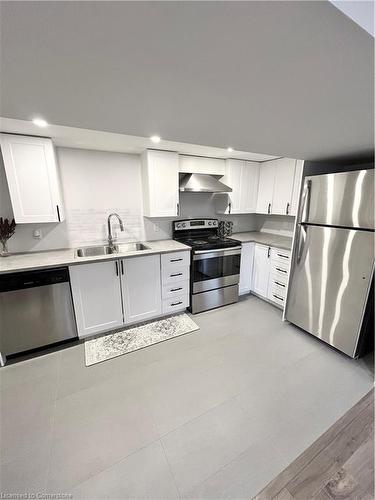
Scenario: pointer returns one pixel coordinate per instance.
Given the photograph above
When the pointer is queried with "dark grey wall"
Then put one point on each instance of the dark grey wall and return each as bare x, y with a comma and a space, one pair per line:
329, 167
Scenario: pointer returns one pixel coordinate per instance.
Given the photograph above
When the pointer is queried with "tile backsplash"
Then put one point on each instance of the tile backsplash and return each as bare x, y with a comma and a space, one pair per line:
89, 226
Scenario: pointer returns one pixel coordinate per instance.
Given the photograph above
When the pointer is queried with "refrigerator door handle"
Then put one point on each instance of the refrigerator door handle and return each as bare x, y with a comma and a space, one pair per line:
301, 241
305, 205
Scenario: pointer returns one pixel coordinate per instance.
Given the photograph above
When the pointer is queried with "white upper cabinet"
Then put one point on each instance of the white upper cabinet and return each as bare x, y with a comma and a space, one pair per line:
201, 165
32, 176
266, 185
283, 186
160, 183
141, 287
277, 186
232, 178
249, 187
97, 297
243, 177
296, 187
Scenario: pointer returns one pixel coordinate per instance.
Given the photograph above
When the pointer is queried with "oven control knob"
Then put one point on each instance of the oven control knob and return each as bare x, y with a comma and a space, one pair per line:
178, 226
209, 223
184, 225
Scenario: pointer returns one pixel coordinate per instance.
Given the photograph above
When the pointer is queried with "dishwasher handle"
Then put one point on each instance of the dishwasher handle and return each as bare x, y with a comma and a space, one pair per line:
30, 279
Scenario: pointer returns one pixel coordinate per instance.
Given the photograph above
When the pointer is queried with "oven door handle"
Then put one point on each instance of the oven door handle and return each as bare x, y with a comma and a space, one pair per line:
219, 252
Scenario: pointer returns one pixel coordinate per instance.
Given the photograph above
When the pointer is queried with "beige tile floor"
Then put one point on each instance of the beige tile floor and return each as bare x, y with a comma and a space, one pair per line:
213, 414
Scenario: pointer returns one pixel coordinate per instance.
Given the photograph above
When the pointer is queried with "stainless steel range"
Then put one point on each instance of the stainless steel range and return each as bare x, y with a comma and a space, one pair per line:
215, 263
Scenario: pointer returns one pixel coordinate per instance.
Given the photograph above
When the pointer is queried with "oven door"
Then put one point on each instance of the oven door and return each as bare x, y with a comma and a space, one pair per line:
215, 268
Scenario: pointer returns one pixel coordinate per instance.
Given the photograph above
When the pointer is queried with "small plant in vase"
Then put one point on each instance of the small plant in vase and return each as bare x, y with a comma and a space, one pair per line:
6, 231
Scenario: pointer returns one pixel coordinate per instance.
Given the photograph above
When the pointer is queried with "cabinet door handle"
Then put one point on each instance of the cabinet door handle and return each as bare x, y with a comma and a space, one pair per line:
176, 274
178, 209
281, 270
175, 260
277, 297
176, 303
287, 208
175, 289
269, 208
280, 284
269, 252
58, 213
122, 266
116, 265
230, 207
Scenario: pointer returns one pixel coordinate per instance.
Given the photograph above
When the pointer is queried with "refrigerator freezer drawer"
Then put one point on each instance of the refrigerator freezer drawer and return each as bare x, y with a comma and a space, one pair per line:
343, 199
329, 282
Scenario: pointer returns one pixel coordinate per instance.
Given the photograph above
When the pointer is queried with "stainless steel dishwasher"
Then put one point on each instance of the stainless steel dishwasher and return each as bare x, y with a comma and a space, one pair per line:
35, 310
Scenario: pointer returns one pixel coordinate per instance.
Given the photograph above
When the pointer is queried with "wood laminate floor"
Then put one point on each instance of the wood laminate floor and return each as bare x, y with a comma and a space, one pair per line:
339, 465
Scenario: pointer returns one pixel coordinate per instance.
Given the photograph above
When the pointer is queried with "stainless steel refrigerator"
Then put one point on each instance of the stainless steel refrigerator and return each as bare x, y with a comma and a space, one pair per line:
333, 258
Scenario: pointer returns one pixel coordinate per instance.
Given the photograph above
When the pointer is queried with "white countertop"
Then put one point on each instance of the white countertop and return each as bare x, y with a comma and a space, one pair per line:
273, 240
65, 257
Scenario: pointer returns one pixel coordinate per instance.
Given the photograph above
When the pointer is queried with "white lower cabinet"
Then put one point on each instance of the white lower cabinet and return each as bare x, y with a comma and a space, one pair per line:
270, 273
246, 269
110, 294
261, 270
141, 289
175, 278
97, 300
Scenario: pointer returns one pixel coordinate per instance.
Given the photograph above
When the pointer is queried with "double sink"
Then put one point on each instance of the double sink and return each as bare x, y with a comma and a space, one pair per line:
98, 250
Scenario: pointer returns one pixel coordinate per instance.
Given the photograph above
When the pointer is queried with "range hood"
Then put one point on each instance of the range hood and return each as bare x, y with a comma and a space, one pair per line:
202, 183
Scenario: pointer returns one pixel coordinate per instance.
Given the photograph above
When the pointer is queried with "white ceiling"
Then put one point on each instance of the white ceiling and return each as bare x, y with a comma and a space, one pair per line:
72, 137
284, 78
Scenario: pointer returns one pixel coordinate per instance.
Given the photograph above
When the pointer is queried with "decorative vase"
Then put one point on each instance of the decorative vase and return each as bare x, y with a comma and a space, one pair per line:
4, 248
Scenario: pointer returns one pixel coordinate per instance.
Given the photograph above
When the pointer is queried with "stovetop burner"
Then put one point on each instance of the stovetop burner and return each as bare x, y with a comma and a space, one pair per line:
209, 243
201, 234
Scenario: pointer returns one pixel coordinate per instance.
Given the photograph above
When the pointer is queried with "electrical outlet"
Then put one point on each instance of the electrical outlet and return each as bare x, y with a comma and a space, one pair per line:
156, 228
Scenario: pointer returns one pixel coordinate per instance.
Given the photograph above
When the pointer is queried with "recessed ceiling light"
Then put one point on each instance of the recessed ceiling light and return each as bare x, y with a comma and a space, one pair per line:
230, 150
40, 122
155, 138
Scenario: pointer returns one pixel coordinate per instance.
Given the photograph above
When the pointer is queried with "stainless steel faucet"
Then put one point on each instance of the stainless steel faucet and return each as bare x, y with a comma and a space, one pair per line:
110, 237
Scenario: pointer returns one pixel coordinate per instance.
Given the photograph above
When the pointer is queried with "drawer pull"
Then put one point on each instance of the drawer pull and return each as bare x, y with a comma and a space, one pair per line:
280, 284
175, 289
277, 297
176, 303
281, 270
176, 274
175, 260
283, 256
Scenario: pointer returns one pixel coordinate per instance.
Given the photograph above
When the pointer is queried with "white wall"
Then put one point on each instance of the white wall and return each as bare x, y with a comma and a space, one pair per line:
94, 184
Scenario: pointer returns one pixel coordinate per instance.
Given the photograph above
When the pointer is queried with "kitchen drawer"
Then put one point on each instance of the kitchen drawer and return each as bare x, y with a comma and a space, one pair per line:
276, 295
175, 289
282, 256
175, 259
276, 287
175, 304
173, 274
280, 270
